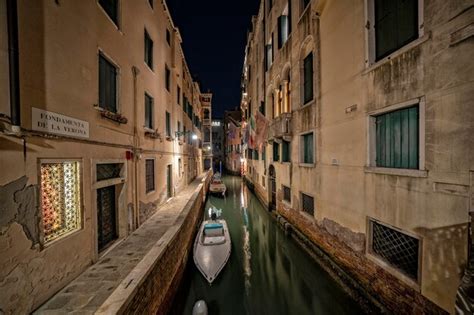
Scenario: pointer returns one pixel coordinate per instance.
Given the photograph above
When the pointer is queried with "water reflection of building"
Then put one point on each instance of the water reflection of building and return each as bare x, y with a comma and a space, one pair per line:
367, 154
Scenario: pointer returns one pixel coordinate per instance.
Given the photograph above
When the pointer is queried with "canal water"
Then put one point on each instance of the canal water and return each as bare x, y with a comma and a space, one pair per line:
267, 273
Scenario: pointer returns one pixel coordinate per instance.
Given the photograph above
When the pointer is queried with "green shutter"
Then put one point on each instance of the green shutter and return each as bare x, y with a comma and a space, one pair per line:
308, 152
285, 155
397, 139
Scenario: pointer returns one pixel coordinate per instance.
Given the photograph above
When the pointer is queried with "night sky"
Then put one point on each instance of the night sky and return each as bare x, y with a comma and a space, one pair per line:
214, 35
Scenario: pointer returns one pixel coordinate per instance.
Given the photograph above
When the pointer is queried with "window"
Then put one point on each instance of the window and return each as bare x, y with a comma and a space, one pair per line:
269, 53
179, 127
151, 3
307, 204
168, 124
262, 108
148, 50
285, 151
167, 78
307, 152
286, 193
108, 171
107, 85
264, 152
263, 181
148, 111
305, 3
178, 95
276, 151
255, 154
168, 37
111, 8
308, 78
60, 199
395, 247
149, 175
395, 24
283, 30
270, 5
397, 139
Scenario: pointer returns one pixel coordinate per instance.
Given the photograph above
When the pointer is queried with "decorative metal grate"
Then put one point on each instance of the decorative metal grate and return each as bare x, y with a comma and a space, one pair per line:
60, 199
308, 204
286, 194
106, 218
397, 248
108, 171
150, 175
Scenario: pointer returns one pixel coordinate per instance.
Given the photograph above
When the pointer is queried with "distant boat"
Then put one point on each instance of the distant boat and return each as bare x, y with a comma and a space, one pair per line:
212, 248
200, 308
217, 186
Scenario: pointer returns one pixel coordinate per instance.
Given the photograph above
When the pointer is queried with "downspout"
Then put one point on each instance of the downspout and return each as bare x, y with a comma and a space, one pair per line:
136, 146
13, 64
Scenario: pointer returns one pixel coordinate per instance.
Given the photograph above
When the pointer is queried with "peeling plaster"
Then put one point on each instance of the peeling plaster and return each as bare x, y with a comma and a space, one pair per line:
18, 203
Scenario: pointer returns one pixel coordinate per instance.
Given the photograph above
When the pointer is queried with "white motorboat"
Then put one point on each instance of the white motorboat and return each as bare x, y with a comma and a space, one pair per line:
217, 186
212, 248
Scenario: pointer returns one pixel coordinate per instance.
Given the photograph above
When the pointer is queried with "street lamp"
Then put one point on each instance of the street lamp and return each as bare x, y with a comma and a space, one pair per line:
194, 136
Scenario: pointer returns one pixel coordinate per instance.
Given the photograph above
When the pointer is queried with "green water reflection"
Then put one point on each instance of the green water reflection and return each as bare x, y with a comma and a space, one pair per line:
267, 272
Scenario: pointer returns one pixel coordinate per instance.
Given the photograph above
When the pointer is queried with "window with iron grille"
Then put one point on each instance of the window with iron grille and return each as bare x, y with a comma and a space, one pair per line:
111, 8
308, 78
397, 248
167, 77
285, 151
286, 194
148, 111
307, 204
107, 85
60, 198
397, 139
148, 50
108, 171
168, 124
149, 175
276, 151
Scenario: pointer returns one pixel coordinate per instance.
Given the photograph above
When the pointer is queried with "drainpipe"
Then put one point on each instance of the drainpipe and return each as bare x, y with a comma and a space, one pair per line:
14, 66
136, 146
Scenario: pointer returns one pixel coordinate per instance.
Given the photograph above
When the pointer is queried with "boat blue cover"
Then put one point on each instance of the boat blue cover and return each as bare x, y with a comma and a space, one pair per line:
209, 226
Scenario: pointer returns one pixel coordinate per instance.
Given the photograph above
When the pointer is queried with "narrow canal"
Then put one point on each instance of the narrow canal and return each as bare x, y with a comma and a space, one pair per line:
267, 273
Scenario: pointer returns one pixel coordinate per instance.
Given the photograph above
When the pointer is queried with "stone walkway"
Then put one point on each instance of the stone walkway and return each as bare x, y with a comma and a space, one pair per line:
88, 292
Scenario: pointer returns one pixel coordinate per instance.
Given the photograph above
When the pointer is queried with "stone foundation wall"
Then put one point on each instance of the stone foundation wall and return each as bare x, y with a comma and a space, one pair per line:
395, 295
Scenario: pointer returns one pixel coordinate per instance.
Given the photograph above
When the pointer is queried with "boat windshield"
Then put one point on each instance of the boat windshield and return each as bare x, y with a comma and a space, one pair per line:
213, 229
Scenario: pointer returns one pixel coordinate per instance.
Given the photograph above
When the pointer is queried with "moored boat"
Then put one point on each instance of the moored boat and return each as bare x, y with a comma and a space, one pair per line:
212, 248
217, 186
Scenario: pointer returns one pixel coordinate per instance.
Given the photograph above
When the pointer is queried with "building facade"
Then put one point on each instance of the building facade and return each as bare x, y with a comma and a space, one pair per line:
100, 123
369, 151
233, 142
218, 144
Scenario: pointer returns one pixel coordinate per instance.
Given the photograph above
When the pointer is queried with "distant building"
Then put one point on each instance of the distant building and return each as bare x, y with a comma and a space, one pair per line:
233, 139
218, 144
102, 126
369, 151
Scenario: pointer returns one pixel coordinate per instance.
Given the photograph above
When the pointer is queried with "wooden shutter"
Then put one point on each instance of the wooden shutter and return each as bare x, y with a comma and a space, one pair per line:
107, 85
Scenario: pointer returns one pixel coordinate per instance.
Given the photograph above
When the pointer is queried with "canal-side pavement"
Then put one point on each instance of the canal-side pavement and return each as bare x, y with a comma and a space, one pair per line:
130, 278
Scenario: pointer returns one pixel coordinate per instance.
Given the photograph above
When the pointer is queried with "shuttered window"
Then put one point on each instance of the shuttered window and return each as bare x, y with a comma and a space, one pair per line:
167, 77
283, 30
148, 50
107, 85
308, 79
307, 153
111, 8
397, 139
148, 111
285, 151
168, 124
396, 24
276, 151
150, 175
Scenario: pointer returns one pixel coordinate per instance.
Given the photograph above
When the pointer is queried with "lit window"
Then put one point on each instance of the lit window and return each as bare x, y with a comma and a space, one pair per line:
60, 199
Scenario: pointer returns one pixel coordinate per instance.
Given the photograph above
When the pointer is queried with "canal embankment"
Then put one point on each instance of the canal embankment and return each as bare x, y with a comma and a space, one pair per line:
142, 273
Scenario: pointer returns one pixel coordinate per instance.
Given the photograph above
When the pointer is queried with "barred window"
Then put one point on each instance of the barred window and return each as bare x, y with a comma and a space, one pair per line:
286, 194
397, 248
150, 175
108, 171
307, 203
60, 199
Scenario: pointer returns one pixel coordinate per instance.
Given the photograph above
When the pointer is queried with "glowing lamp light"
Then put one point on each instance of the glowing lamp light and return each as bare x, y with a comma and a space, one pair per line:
194, 137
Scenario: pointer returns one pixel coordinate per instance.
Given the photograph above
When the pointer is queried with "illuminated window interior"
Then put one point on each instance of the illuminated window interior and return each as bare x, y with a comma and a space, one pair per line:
60, 198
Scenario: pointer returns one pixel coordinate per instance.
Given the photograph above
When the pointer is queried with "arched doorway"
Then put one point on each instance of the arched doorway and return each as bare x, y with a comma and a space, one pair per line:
272, 188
